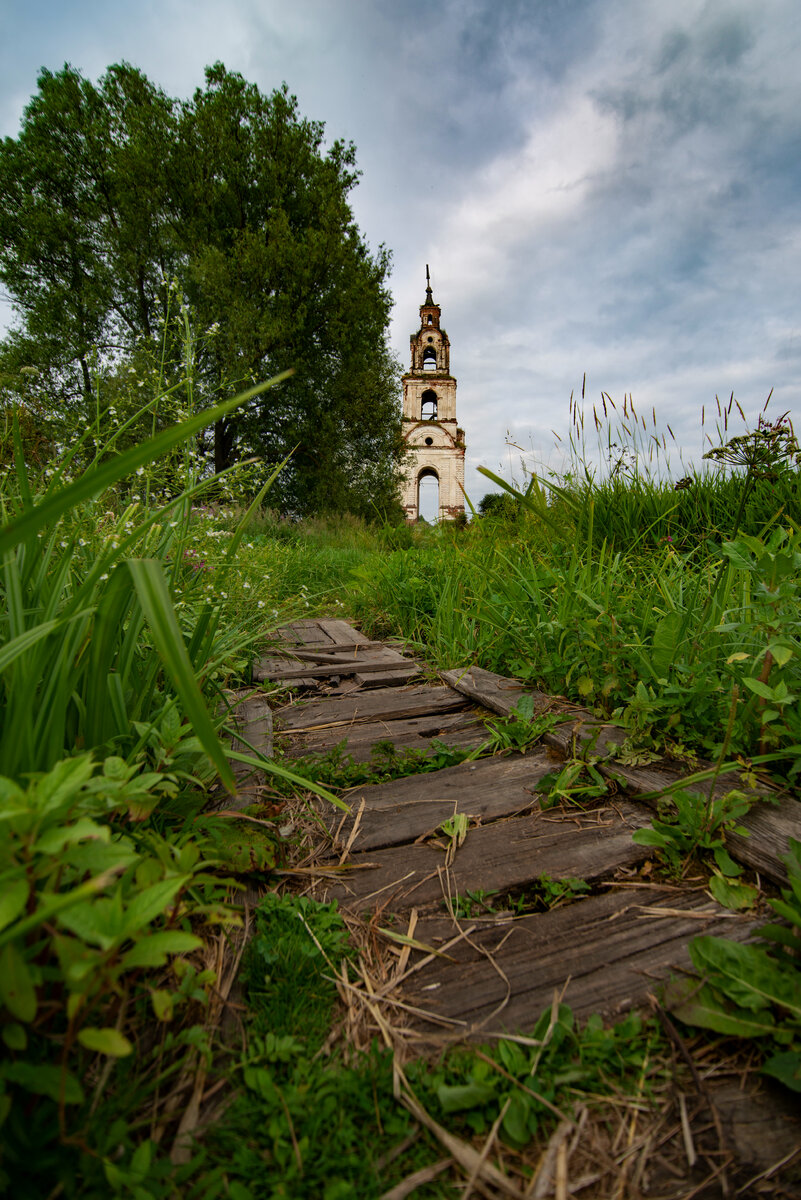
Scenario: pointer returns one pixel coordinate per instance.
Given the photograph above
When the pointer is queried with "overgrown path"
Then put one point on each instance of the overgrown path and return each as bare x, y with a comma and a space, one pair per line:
456, 871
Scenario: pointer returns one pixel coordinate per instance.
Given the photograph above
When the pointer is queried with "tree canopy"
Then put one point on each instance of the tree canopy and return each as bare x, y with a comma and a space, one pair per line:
115, 198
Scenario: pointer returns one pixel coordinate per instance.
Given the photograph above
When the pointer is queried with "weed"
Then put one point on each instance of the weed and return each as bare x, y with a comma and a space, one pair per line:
697, 824
752, 991
473, 904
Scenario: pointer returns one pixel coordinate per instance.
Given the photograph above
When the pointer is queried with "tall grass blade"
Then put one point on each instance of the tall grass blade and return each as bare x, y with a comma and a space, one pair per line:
151, 588
97, 479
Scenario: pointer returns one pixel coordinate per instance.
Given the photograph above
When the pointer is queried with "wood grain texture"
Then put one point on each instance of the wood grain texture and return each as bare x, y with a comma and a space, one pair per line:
504, 855
280, 669
416, 733
382, 704
770, 826
607, 950
405, 809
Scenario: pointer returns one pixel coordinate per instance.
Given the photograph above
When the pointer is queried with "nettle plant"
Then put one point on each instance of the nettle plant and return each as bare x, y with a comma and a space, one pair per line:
88, 903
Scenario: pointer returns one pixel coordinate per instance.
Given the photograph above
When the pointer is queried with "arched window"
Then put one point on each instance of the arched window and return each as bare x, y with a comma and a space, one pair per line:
428, 405
429, 359
430, 319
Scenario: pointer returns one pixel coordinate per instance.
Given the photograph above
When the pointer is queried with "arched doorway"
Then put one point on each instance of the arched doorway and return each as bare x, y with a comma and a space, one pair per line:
428, 496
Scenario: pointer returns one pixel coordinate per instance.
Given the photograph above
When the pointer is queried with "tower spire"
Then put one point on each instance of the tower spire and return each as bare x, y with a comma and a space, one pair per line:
429, 296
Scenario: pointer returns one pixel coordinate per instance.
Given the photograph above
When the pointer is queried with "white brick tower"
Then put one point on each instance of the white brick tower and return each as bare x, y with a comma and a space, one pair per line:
435, 443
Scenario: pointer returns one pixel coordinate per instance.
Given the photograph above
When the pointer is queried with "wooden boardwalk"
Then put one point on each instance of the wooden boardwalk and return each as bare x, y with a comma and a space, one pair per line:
488, 969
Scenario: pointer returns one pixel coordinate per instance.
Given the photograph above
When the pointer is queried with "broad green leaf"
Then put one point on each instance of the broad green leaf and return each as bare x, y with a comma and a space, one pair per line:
53, 841
14, 1036
96, 857
16, 986
726, 864
154, 596
650, 837
786, 1067
782, 936
761, 689
163, 1003
106, 1041
516, 1120
746, 974
141, 1160
152, 951
664, 645
460, 1097
697, 1004
53, 905
99, 922
61, 784
151, 903
44, 1080
13, 898
733, 894
782, 652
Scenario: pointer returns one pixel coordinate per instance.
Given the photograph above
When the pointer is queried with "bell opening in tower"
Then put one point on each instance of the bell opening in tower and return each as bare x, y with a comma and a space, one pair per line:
428, 407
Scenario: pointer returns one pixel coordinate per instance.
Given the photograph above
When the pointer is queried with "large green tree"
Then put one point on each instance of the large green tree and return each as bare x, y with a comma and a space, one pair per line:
114, 189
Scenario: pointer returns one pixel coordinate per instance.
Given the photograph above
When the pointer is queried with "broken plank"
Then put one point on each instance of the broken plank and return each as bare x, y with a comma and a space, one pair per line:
609, 951
499, 857
379, 705
340, 631
307, 632
322, 653
405, 809
495, 692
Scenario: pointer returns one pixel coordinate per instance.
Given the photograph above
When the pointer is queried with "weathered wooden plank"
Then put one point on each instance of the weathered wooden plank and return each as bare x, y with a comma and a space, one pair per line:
308, 633
389, 675
252, 719
406, 809
493, 691
454, 729
770, 827
340, 631
321, 654
379, 705
504, 855
607, 949
269, 669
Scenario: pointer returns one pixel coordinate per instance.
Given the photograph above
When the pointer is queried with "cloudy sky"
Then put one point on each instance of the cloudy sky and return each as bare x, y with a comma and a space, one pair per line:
601, 187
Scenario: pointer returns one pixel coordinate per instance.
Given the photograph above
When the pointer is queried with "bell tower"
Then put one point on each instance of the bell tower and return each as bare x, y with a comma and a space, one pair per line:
435, 443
